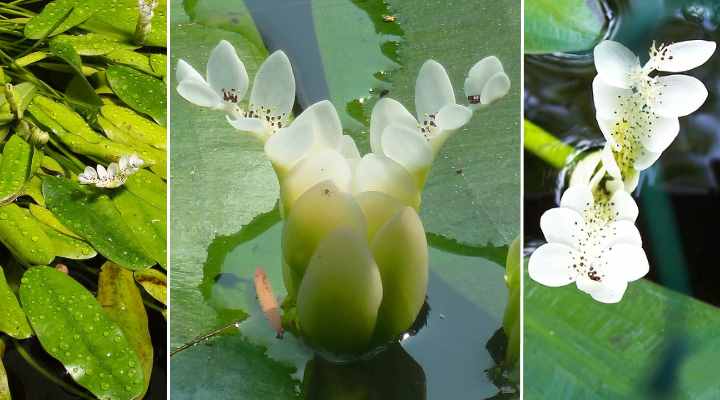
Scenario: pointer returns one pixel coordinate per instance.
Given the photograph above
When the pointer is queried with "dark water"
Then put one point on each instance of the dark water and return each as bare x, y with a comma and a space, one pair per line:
679, 196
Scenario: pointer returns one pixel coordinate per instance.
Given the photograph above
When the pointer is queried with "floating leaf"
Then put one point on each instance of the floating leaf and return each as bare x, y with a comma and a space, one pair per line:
45, 216
139, 128
51, 165
61, 14
14, 168
140, 91
69, 247
82, 90
24, 236
158, 62
130, 58
154, 282
146, 222
148, 187
120, 298
94, 44
73, 328
94, 217
553, 26
119, 17
13, 321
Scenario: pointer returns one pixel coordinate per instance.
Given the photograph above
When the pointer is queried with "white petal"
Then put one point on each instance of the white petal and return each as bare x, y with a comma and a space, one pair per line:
577, 198
631, 180
185, 71
253, 125
661, 135
325, 165
453, 116
608, 159
628, 261
683, 56
135, 161
274, 86
348, 148
624, 206
124, 163
376, 173
679, 96
408, 149
386, 112
584, 169
323, 120
609, 100
226, 73
622, 232
496, 88
102, 172
608, 290
90, 172
645, 159
433, 89
607, 127
613, 62
551, 265
288, 146
112, 170
479, 76
484, 69
561, 225
199, 93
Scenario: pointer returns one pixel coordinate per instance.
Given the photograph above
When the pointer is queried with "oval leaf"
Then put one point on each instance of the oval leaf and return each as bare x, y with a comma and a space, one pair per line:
73, 328
154, 282
146, 222
14, 168
136, 126
59, 16
24, 236
13, 321
553, 26
140, 91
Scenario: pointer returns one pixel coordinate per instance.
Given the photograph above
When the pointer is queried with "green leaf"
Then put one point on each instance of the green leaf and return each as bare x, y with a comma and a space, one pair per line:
593, 350
133, 59
68, 247
94, 44
158, 62
154, 282
45, 216
4, 388
118, 18
14, 168
24, 236
148, 187
138, 128
13, 321
146, 222
140, 91
73, 328
61, 14
555, 26
121, 300
82, 90
94, 217
33, 189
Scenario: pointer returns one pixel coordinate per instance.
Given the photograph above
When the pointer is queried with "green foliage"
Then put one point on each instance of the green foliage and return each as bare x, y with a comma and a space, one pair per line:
14, 168
141, 92
13, 322
556, 26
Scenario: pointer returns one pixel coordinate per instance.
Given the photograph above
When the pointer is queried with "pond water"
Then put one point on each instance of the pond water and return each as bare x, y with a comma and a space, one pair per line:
682, 189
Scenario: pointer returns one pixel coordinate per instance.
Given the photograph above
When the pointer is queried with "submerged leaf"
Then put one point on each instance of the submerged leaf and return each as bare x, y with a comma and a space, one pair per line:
73, 328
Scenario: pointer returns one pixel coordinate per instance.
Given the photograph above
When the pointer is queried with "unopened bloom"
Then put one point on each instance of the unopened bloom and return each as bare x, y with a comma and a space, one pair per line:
146, 11
637, 110
593, 242
114, 175
271, 97
414, 142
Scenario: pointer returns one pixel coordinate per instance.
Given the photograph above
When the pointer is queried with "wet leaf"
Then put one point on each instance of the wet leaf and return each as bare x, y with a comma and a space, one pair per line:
133, 59
14, 168
148, 187
45, 216
33, 189
13, 321
553, 26
94, 44
138, 128
4, 388
146, 222
140, 91
61, 14
121, 300
119, 17
68, 247
93, 216
154, 282
73, 328
158, 62
82, 90
24, 236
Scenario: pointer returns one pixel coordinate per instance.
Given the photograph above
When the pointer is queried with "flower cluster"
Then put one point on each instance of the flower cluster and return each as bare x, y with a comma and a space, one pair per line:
114, 175
592, 238
354, 248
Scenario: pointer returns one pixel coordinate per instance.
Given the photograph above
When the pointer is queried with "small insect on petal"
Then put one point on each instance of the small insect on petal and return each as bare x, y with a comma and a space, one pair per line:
474, 99
268, 302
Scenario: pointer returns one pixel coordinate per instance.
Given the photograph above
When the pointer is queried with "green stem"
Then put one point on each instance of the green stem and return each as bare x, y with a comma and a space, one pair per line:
47, 374
546, 146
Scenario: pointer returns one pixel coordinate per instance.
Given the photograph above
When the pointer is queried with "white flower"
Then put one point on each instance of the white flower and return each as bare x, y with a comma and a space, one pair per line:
414, 142
271, 98
637, 110
114, 176
592, 241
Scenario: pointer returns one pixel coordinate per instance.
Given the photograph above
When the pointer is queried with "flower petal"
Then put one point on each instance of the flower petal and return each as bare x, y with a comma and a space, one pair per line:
453, 116
199, 93
577, 198
683, 56
614, 62
387, 112
662, 133
608, 159
288, 146
628, 261
433, 89
608, 290
624, 206
609, 100
102, 172
324, 165
378, 209
621, 232
376, 173
562, 225
226, 73
348, 148
679, 96
551, 265
274, 86
644, 159
185, 71
496, 88
323, 120
252, 125
408, 149
585, 168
